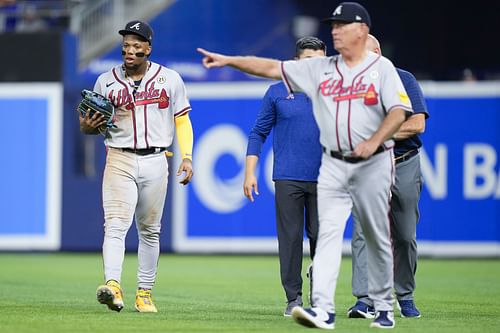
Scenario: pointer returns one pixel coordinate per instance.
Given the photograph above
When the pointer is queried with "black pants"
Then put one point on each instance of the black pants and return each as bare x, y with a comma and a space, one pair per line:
296, 203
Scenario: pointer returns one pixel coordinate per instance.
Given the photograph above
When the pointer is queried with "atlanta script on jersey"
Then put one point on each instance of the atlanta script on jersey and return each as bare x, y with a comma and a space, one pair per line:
144, 117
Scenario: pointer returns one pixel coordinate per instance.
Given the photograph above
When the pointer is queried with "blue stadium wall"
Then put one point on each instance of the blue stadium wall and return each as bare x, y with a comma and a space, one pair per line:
61, 205
460, 200
51, 196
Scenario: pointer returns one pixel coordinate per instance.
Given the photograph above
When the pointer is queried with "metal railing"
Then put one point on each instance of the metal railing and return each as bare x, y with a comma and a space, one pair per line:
96, 22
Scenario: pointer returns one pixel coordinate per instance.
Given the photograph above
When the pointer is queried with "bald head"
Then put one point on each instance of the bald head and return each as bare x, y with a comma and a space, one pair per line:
373, 45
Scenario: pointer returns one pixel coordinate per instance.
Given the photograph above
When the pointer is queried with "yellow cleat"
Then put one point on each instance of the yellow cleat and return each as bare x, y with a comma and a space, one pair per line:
111, 294
143, 301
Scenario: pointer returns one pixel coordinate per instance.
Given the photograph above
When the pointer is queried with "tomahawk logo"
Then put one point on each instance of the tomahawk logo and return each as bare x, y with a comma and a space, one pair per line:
136, 26
337, 11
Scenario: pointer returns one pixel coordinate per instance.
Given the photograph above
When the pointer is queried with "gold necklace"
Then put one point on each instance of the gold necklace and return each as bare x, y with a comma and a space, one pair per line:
131, 81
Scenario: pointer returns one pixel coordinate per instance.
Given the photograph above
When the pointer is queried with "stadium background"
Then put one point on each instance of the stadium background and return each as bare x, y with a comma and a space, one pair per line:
50, 198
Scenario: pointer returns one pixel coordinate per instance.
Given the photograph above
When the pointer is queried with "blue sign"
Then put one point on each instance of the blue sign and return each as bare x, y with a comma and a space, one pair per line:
23, 188
217, 190
460, 200
30, 192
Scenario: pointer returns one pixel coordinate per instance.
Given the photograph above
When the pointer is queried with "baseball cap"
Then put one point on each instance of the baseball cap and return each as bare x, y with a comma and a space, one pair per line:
350, 12
138, 28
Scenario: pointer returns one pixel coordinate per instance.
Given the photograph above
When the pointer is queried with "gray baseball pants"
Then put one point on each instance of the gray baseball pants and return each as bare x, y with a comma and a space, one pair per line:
404, 218
133, 184
364, 189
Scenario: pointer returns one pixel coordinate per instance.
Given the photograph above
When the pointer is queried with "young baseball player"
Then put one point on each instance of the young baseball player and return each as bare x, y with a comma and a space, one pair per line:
150, 104
297, 157
359, 102
404, 209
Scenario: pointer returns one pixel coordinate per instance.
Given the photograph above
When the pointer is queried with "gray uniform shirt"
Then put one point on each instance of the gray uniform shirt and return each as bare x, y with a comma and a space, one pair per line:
349, 104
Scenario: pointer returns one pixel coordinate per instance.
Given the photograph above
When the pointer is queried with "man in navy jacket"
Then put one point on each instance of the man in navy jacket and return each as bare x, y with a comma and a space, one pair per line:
297, 158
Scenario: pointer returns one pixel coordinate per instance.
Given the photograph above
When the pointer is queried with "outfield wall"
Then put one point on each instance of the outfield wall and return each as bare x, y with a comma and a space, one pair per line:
31, 168
460, 201
50, 194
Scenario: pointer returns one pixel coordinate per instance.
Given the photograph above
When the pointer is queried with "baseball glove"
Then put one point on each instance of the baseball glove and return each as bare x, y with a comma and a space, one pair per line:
97, 103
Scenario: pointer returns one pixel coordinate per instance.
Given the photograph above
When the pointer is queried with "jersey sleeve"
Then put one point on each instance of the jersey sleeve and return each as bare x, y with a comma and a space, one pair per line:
184, 131
393, 93
266, 119
98, 86
180, 101
414, 91
298, 75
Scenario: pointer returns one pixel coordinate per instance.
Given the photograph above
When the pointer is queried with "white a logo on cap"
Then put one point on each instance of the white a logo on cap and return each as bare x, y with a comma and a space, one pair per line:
358, 18
136, 26
337, 11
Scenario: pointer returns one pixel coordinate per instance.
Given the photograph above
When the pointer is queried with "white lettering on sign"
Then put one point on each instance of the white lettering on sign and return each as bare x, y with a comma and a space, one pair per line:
481, 180
436, 178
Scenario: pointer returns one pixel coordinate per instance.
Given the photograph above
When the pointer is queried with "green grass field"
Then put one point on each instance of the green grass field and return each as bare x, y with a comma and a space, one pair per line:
56, 293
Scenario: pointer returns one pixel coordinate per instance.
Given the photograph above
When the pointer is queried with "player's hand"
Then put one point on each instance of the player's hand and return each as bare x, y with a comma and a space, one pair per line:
250, 186
186, 167
365, 149
90, 124
212, 60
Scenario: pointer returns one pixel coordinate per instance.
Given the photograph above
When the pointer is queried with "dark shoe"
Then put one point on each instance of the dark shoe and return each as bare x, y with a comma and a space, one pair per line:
383, 319
361, 310
408, 309
291, 305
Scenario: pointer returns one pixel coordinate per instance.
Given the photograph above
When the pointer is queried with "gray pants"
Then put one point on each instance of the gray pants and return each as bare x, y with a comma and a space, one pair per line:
404, 217
133, 185
296, 202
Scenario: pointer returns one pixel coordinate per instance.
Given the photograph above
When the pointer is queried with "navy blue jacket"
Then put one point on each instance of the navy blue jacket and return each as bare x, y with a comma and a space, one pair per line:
418, 103
296, 147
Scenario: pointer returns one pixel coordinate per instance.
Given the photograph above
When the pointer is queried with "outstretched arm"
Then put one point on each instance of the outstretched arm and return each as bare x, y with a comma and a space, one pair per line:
263, 67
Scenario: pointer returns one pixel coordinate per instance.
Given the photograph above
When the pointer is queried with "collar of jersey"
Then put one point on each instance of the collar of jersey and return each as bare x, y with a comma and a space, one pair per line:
129, 80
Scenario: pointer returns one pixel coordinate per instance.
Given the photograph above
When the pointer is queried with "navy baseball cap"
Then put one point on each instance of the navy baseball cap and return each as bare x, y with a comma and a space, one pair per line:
350, 12
138, 28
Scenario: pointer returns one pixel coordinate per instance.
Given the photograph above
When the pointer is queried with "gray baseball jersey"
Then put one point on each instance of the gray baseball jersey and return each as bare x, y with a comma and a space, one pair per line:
368, 91
160, 98
136, 184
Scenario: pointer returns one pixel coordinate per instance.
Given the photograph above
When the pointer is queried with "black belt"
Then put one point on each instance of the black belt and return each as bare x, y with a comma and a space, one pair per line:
146, 151
350, 159
406, 156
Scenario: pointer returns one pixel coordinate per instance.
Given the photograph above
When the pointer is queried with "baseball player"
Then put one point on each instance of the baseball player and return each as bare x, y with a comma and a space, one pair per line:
150, 104
297, 157
359, 102
404, 209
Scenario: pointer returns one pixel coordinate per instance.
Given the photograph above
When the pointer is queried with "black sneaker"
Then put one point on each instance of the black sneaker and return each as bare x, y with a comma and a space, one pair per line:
408, 309
361, 310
